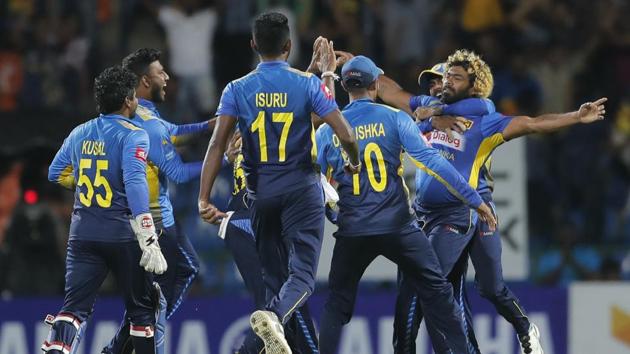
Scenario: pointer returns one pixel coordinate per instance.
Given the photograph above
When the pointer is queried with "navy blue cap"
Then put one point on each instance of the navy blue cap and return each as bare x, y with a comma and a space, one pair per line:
360, 72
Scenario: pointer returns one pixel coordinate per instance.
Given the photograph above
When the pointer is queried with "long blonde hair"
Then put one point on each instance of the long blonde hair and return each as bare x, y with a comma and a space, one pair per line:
480, 72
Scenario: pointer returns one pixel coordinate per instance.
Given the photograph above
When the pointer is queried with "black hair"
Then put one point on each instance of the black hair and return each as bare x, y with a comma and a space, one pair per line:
271, 33
112, 86
466, 65
139, 61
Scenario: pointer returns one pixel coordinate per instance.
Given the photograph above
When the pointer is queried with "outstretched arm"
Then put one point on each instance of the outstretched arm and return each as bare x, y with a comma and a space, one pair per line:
547, 123
391, 93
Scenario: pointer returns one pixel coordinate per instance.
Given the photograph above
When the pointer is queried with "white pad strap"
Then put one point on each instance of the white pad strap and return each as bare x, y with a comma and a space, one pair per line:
66, 317
141, 331
64, 348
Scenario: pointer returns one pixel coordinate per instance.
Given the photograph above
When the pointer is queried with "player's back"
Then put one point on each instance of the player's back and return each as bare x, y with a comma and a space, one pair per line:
101, 211
273, 105
469, 153
375, 201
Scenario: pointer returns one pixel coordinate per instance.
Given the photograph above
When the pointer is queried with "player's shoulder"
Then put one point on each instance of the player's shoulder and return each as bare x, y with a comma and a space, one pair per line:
145, 114
385, 108
299, 73
243, 80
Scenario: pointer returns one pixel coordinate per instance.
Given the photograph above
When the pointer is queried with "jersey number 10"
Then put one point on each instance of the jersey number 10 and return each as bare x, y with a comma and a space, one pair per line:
259, 126
378, 186
99, 180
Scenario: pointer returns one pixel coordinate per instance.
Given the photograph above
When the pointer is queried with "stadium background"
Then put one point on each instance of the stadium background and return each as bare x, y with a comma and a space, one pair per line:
563, 198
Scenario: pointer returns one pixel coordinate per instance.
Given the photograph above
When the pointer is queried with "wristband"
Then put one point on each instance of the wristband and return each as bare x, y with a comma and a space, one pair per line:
330, 74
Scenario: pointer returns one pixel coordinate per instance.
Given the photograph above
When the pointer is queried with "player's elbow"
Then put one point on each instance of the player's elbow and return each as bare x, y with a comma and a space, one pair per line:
52, 176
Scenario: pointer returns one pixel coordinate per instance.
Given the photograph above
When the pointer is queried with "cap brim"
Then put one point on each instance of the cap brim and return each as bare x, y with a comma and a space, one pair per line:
423, 75
429, 71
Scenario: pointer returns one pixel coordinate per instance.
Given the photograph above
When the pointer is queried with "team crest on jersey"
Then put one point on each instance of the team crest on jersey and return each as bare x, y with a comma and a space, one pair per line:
326, 91
467, 123
457, 142
141, 154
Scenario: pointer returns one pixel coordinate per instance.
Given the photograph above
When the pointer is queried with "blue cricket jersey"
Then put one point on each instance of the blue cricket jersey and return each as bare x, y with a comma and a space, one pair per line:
375, 201
164, 162
469, 152
273, 105
104, 160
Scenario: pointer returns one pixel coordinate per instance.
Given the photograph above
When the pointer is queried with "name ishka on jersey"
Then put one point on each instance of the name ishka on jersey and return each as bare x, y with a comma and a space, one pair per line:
362, 132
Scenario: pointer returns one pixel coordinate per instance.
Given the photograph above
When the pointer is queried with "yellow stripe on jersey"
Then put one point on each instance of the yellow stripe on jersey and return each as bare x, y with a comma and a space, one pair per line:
434, 174
485, 149
154, 186
388, 107
240, 182
314, 147
145, 113
66, 178
299, 72
128, 125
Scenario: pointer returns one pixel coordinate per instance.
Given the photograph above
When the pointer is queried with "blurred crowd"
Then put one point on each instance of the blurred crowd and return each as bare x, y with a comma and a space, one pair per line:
546, 56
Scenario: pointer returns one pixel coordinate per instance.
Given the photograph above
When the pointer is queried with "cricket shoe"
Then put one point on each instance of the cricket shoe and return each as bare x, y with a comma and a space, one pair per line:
267, 326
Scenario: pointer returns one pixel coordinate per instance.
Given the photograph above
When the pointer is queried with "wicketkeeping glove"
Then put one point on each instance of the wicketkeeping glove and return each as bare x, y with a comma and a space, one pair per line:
152, 259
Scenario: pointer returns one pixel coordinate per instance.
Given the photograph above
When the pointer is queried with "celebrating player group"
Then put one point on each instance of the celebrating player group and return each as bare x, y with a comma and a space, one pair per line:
289, 144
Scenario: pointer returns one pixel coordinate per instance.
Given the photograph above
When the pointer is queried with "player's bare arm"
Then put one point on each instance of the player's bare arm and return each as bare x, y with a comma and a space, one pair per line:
547, 123
211, 166
391, 93
323, 47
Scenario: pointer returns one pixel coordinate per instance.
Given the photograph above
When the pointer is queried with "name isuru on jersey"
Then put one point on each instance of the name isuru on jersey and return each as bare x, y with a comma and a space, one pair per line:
271, 99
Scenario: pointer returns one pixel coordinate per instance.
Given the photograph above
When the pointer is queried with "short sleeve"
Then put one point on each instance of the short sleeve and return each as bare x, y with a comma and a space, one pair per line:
227, 105
322, 100
494, 123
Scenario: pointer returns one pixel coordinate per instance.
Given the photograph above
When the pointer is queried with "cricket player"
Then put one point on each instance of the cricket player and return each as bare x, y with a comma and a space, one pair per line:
375, 217
163, 164
104, 160
452, 232
272, 106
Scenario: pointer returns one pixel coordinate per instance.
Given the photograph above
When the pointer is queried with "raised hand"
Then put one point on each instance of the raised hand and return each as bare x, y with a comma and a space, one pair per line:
327, 59
313, 67
592, 111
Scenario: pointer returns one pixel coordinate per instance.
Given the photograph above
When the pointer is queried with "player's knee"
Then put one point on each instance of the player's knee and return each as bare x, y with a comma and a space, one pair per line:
65, 332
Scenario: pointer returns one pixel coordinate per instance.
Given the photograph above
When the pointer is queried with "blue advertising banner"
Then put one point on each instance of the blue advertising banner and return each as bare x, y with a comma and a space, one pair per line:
216, 325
